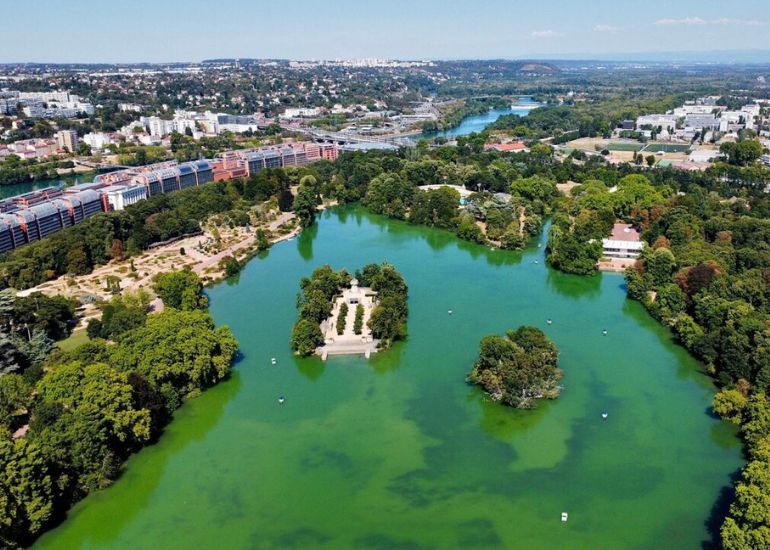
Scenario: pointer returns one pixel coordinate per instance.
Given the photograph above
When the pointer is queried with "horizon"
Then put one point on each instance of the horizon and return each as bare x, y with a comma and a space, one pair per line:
742, 57
345, 30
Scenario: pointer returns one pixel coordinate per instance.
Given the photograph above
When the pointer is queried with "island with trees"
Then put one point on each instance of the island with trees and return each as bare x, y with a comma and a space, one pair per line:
519, 368
340, 314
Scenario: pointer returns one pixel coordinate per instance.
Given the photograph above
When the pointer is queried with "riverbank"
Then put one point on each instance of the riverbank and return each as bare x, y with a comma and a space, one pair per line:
478, 122
201, 253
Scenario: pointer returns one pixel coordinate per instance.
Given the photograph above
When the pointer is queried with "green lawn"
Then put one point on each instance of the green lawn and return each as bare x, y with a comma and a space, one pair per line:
620, 146
667, 148
76, 339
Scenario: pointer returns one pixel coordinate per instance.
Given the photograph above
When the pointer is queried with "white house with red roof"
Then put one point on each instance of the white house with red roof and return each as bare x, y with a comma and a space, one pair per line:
624, 243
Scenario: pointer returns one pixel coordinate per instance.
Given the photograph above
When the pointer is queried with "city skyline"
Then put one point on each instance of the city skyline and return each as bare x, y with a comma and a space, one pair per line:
158, 32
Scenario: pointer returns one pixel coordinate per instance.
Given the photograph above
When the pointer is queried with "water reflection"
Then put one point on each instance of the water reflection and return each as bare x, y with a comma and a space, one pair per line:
388, 360
305, 241
501, 421
311, 368
233, 280
574, 286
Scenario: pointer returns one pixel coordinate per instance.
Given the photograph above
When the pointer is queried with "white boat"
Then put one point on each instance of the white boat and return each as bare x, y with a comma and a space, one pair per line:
564, 516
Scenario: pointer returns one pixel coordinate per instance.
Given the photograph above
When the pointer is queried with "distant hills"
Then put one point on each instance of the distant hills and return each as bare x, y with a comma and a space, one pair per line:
724, 57
533, 67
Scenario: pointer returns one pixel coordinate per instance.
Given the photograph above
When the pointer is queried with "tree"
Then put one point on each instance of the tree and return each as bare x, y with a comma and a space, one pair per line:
635, 192
389, 194
180, 290
534, 188
230, 265
262, 242
358, 322
650, 160
15, 397
77, 261
10, 360
436, 208
660, 265
469, 231
518, 369
306, 337
512, 238
179, 352
100, 394
316, 306
54, 315
730, 405
386, 321
742, 153
37, 348
26, 491
342, 318
285, 200
306, 205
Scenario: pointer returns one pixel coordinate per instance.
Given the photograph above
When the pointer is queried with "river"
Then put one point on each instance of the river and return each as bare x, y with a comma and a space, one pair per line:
477, 123
398, 451
19, 188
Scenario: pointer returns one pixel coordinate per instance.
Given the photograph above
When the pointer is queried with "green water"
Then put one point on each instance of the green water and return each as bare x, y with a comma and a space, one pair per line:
397, 451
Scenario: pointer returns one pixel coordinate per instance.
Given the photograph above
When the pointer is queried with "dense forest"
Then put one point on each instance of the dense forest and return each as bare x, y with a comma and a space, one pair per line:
567, 122
79, 416
519, 368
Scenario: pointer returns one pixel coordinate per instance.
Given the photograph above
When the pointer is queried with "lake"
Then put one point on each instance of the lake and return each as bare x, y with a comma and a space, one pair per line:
398, 451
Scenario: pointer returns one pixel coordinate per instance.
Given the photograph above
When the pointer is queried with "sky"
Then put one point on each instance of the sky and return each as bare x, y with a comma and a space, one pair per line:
89, 31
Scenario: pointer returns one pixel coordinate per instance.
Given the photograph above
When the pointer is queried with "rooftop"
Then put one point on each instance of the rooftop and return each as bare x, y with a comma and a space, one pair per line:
624, 232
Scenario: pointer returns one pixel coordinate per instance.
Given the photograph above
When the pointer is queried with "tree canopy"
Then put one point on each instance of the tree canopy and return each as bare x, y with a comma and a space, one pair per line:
519, 368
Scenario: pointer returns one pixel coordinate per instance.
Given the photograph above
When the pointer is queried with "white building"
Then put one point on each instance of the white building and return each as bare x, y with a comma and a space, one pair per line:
97, 140
298, 112
624, 243
125, 107
159, 127
665, 121
120, 196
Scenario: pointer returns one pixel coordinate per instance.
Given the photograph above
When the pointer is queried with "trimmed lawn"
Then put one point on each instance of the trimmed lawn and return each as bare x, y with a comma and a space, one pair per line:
76, 339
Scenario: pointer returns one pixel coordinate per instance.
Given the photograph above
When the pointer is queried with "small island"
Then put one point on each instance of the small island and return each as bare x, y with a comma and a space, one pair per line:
340, 314
519, 368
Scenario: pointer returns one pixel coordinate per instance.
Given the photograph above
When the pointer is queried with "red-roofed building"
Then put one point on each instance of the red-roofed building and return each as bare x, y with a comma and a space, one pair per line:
624, 242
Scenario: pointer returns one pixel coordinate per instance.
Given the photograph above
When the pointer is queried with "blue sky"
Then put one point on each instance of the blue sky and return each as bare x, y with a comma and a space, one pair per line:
191, 30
